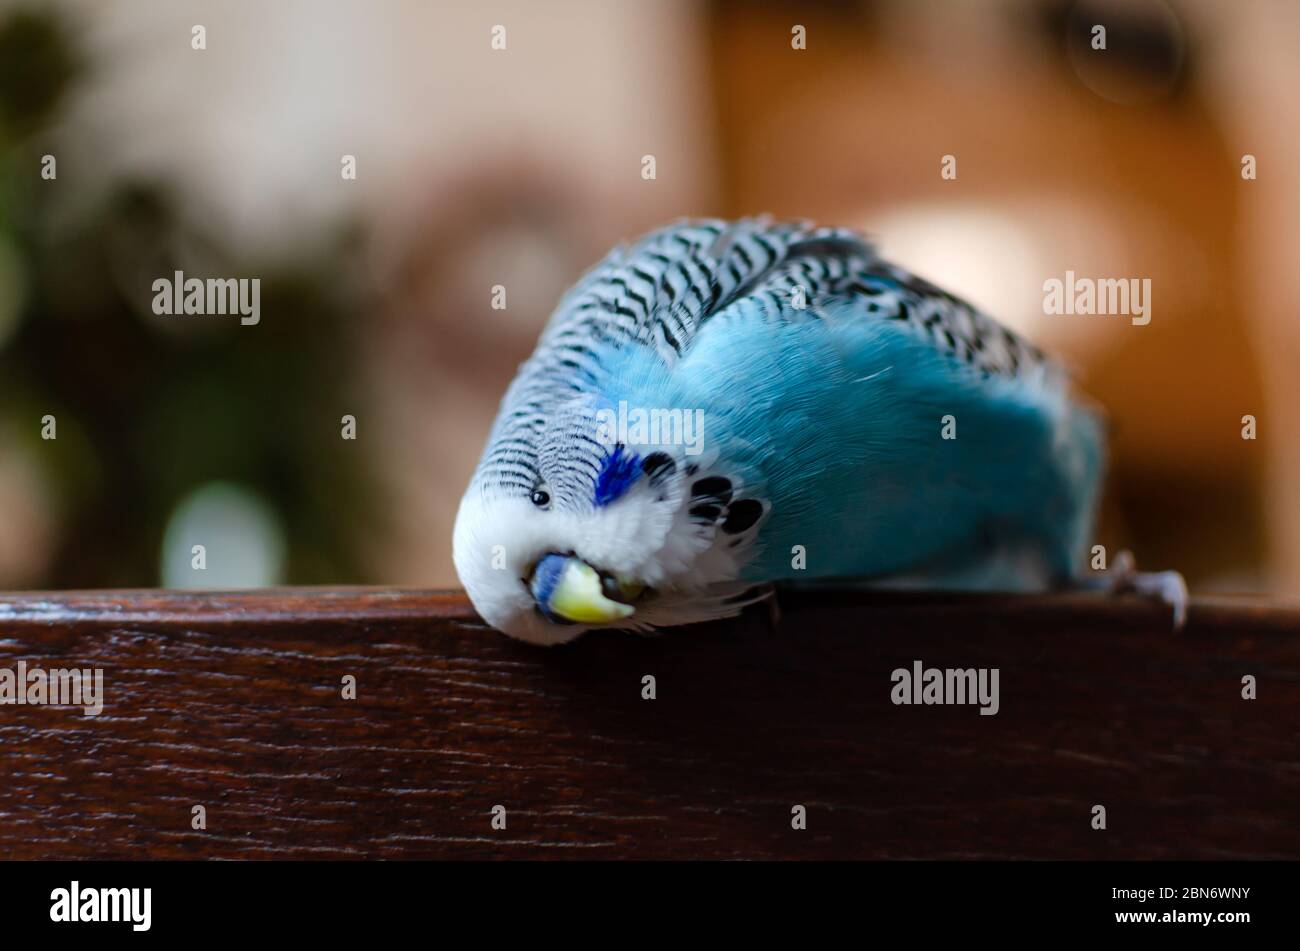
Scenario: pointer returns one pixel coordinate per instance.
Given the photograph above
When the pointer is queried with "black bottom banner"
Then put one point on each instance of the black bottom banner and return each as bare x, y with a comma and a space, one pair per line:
140, 900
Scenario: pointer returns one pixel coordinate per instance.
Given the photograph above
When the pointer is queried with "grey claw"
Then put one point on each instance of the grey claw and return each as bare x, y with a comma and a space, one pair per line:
1167, 586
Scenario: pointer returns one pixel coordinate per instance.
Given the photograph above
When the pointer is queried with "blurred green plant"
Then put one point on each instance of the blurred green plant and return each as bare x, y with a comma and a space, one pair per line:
149, 408
37, 67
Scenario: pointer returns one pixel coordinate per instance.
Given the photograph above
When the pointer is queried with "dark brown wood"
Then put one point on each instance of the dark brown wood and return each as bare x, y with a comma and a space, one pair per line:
233, 702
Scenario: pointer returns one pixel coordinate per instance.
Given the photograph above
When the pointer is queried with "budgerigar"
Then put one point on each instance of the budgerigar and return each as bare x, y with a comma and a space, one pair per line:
725, 405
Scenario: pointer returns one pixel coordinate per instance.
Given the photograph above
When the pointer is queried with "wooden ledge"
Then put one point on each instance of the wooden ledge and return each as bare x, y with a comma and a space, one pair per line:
233, 701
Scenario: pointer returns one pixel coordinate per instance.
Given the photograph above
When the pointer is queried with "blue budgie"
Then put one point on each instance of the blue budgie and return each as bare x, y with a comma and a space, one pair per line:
727, 405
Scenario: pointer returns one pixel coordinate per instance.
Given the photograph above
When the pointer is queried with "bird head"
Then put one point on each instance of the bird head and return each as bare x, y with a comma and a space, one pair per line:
547, 561
562, 530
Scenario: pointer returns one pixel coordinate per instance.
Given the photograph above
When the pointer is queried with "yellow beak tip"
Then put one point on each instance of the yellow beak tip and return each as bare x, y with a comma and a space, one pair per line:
578, 597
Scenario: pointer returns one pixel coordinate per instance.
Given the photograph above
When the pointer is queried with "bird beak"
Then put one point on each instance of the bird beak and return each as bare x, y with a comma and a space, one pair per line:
568, 589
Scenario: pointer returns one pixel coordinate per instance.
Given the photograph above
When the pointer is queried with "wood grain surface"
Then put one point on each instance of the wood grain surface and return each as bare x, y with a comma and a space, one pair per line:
234, 702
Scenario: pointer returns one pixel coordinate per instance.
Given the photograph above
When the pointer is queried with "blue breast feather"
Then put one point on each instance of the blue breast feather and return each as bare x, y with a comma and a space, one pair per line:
837, 423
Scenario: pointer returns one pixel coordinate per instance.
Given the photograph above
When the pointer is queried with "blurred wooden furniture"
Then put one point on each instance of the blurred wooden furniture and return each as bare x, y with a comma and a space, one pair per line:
852, 130
234, 702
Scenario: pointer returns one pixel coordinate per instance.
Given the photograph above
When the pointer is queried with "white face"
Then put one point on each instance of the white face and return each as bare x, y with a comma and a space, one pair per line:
500, 540
545, 573
495, 546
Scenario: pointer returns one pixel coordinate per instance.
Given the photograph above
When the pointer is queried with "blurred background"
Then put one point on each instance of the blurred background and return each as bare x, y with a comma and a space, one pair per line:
519, 167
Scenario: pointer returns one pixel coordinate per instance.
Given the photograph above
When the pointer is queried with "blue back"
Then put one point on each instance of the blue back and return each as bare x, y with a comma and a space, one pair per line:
836, 422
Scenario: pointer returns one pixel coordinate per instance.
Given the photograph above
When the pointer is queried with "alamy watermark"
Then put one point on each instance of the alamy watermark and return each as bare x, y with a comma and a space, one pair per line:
947, 685
58, 686
77, 904
657, 426
215, 296
1101, 297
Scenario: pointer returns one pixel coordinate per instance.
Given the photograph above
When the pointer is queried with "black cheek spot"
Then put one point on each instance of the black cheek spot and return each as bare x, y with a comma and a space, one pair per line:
715, 487
707, 513
658, 466
742, 515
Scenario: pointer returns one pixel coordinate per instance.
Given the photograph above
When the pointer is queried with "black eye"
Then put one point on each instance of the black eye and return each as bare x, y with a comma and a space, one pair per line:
541, 498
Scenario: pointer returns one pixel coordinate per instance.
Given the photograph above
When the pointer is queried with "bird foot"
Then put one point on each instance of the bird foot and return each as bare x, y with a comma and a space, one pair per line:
1167, 587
